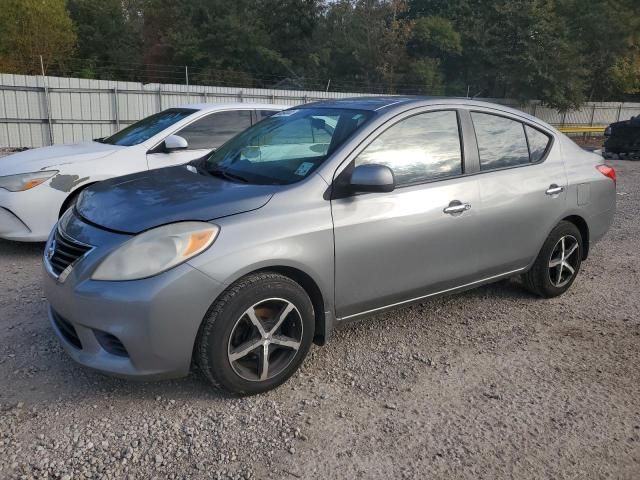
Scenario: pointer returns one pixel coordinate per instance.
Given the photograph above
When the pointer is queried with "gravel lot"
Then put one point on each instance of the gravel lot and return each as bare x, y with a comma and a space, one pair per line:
493, 383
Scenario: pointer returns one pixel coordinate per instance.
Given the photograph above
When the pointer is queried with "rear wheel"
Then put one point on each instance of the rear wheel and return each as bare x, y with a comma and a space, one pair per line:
256, 335
558, 262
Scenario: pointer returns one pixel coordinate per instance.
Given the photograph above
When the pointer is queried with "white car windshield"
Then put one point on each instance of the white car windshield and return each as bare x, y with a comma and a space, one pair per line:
286, 147
147, 127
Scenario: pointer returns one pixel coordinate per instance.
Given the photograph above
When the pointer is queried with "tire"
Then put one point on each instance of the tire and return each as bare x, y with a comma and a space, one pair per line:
228, 331
548, 282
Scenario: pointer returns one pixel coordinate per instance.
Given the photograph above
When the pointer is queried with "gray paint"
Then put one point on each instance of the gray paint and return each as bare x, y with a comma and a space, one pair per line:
66, 183
366, 252
584, 194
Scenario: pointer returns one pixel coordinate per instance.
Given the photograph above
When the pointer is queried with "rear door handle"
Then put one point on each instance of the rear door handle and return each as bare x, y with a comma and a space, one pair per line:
554, 189
456, 207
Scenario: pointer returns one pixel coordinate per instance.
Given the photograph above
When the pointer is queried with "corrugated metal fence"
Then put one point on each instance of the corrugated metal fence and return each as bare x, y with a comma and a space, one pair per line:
37, 111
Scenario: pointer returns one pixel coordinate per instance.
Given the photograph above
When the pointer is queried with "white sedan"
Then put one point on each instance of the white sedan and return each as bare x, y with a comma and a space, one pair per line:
37, 186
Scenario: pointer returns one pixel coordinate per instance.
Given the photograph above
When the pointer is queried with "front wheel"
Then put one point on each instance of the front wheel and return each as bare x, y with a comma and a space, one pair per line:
558, 262
256, 335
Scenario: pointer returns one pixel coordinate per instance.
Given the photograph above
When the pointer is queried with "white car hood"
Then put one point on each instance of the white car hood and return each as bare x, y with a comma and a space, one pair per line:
55, 155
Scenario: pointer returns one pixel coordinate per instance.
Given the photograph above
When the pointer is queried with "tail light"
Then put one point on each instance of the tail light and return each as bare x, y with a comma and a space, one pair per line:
607, 171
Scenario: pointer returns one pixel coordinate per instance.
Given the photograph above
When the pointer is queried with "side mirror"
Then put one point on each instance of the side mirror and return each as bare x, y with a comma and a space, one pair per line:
175, 142
372, 178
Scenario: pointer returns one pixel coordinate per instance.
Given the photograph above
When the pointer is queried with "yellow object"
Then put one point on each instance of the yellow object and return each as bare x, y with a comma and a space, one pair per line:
581, 129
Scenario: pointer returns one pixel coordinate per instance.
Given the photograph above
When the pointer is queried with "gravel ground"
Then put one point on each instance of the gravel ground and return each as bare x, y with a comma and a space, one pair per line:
493, 383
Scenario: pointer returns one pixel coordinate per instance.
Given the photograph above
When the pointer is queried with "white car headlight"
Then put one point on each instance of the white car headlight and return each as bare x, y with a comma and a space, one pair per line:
156, 251
25, 181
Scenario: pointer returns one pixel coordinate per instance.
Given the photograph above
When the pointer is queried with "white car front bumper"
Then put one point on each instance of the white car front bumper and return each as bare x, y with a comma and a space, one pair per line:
29, 216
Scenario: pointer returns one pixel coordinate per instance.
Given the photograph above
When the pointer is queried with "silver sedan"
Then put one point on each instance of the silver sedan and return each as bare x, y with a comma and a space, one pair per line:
312, 218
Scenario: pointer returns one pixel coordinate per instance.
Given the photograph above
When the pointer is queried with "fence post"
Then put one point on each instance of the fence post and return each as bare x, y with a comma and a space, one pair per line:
186, 75
116, 108
47, 100
564, 117
593, 111
619, 112
159, 98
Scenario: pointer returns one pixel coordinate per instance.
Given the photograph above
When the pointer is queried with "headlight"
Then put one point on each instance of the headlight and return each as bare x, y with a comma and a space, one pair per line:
25, 181
156, 251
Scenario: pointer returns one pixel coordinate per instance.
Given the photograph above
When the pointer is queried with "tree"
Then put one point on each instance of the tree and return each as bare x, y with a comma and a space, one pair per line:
290, 25
519, 49
109, 36
220, 41
434, 43
361, 45
605, 33
30, 28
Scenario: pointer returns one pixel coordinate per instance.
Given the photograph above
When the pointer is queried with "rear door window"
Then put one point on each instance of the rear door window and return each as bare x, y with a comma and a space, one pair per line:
215, 129
501, 141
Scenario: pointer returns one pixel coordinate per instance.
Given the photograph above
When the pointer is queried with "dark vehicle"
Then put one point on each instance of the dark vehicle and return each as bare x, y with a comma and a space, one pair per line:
623, 138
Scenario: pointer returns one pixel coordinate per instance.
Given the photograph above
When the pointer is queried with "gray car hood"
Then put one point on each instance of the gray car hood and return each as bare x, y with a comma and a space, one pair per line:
138, 202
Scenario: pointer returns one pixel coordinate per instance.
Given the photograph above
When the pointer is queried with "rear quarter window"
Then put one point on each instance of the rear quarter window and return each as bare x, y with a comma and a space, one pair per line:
538, 143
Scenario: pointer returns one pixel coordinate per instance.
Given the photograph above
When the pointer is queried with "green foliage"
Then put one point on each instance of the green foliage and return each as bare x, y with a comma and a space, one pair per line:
625, 75
109, 36
30, 28
427, 75
436, 36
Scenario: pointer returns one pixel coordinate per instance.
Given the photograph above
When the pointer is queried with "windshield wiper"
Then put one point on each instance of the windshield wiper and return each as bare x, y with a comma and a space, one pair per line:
218, 172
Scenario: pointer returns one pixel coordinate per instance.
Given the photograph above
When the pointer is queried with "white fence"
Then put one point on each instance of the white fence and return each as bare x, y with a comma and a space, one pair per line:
37, 111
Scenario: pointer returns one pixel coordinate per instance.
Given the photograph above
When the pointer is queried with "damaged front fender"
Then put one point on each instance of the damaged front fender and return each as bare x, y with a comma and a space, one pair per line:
66, 183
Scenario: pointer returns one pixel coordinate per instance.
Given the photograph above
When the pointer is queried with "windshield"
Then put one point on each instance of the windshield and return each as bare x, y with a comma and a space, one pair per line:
148, 127
285, 147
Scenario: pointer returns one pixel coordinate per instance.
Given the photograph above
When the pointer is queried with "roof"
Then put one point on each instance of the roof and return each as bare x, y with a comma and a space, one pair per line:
366, 103
233, 105
386, 103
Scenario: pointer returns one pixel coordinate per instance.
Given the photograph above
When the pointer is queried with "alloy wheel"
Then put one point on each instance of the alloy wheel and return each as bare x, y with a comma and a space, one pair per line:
564, 261
265, 339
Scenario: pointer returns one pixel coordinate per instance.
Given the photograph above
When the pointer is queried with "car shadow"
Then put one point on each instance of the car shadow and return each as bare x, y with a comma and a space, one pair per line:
20, 249
510, 288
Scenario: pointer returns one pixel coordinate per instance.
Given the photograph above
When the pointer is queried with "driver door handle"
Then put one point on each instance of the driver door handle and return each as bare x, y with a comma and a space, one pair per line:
554, 189
456, 207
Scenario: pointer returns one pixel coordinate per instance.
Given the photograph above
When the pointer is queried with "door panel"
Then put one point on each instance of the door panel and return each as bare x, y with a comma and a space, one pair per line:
516, 214
518, 208
391, 247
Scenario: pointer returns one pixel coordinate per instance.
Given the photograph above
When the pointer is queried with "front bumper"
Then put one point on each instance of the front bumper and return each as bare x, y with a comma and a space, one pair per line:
29, 216
143, 329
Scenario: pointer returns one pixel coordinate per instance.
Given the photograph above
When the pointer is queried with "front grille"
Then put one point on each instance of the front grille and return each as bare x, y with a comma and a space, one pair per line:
67, 330
64, 251
111, 344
